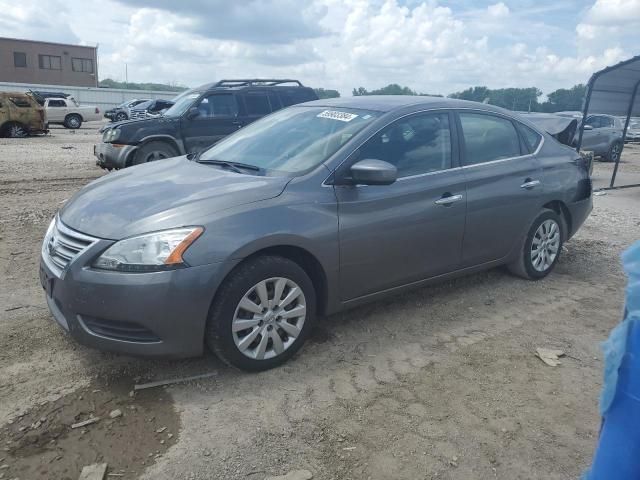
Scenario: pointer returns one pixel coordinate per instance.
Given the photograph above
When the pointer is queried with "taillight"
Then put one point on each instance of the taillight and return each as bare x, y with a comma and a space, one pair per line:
97, 110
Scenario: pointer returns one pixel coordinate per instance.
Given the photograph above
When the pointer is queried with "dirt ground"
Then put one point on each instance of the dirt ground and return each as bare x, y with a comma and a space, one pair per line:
440, 383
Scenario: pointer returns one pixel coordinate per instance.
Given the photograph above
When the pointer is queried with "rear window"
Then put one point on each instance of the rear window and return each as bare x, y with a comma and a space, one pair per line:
488, 138
293, 97
532, 138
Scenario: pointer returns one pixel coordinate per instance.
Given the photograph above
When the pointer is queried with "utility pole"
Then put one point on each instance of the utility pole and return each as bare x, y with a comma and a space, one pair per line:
126, 75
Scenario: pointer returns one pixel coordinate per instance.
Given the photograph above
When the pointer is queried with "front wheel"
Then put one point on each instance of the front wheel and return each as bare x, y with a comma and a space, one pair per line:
121, 116
152, 151
262, 314
541, 247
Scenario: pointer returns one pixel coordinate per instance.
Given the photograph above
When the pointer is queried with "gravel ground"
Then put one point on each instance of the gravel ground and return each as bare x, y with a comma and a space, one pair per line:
438, 383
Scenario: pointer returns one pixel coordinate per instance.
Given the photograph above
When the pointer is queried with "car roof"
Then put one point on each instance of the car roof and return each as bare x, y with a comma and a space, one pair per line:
388, 103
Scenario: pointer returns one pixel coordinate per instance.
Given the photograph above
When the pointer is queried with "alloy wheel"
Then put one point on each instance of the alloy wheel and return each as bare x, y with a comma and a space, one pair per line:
615, 152
269, 318
156, 155
17, 131
545, 245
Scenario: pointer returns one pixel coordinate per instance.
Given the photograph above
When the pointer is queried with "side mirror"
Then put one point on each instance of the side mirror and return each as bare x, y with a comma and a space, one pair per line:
192, 113
588, 127
373, 172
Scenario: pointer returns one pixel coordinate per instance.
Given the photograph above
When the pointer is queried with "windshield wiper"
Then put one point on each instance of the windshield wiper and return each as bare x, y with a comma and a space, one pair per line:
234, 166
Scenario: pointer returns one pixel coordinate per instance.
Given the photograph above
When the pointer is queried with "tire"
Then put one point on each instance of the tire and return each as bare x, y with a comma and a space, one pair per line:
15, 130
153, 151
241, 287
525, 266
120, 117
614, 152
73, 121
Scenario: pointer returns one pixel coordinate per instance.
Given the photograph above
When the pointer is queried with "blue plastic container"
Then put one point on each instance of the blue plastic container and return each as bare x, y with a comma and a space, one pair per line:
617, 455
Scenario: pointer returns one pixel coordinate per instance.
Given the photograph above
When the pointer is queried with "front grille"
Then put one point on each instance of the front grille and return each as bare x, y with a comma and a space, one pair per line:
138, 114
62, 245
124, 331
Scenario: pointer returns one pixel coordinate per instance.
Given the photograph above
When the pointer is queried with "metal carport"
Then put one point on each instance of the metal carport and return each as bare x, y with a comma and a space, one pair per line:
614, 91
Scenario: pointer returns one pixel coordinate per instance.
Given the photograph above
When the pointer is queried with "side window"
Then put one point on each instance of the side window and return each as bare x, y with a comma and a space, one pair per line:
488, 138
531, 138
607, 122
257, 103
218, 105
20, 101
415, 145
594, 121
57, 103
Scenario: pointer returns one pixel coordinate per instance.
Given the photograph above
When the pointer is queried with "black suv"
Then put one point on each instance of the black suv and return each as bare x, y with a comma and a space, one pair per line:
199, 118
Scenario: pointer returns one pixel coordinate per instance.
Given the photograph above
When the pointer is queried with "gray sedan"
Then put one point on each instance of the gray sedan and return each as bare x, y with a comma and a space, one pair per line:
306, 212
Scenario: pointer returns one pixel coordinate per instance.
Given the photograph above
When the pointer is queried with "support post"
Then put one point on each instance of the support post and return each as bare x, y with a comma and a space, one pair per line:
624, 132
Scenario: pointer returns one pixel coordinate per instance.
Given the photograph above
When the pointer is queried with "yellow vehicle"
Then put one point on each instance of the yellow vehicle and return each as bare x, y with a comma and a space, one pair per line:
20, 115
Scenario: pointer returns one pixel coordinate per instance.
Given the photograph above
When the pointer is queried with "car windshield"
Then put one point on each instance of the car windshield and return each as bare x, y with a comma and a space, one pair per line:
292, 140
183, 102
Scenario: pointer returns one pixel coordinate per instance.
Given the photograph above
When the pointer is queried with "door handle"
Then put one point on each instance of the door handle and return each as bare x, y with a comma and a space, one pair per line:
528, 184
448, 200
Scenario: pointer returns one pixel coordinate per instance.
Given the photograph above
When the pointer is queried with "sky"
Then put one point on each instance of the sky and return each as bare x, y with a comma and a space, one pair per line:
431, 46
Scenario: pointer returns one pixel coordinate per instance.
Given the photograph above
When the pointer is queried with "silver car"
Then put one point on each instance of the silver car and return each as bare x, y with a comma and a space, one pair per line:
306, 212
602, 135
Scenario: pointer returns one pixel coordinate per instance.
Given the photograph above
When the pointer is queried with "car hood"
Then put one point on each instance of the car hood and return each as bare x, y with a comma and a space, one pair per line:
136, 124
160, 195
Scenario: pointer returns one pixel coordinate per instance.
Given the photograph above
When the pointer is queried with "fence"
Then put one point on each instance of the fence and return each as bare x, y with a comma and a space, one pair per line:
103, 98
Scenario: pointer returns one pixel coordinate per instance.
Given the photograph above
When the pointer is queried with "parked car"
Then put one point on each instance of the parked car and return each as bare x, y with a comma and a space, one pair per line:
633, 130
306, 212
20, 115
152, 108
602, 135
122, 111
198, 119
67, 112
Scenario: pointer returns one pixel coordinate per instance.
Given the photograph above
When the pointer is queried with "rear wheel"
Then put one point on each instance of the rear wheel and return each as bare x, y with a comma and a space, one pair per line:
73, 121
541, 247
262, 314
152, 151
614, 152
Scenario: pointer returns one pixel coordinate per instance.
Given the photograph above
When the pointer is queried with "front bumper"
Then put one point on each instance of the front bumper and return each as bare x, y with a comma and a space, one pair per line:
147, 314
110, 156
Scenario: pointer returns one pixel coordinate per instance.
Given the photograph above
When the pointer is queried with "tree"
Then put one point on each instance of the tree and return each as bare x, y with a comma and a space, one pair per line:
110, 83
325, 93
565, 99
521, 99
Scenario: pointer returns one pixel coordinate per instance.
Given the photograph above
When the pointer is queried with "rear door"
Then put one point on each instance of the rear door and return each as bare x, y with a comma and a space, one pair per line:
391, 235
257, 104
504, 186
218, 116
56, 109
596, 138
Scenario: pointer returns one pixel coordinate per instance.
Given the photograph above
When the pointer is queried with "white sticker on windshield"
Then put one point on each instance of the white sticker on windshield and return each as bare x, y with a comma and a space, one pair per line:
335, 115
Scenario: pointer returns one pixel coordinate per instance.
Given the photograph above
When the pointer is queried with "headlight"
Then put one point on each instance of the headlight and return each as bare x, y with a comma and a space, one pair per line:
111, 135
150, 252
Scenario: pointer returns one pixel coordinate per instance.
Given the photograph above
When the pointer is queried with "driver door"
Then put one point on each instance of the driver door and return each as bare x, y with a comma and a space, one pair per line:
392, 235
218, 116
